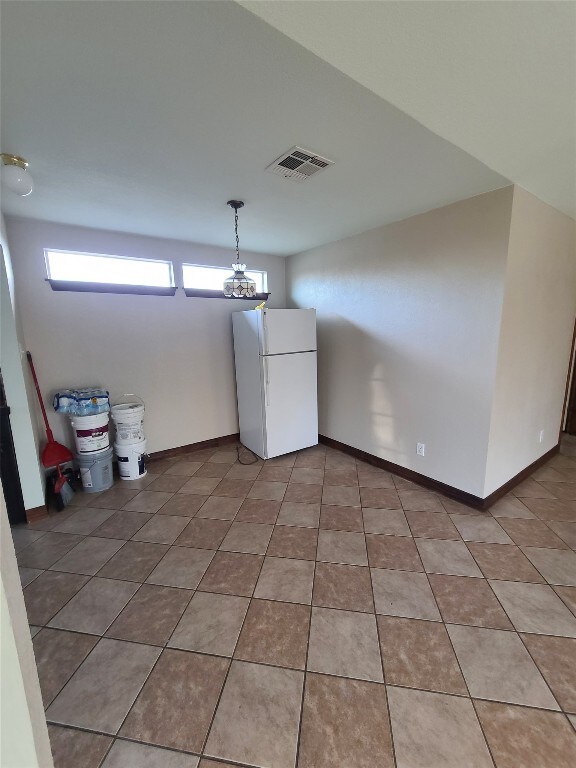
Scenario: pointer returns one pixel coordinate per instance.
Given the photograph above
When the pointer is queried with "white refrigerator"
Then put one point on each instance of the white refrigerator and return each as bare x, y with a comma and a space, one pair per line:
275, 355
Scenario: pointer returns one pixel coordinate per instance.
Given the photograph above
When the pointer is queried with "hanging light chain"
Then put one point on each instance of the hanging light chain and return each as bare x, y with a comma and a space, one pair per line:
237, 238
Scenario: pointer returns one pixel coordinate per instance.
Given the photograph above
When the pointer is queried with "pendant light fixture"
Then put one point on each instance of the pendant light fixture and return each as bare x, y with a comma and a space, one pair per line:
15, 175
238, 285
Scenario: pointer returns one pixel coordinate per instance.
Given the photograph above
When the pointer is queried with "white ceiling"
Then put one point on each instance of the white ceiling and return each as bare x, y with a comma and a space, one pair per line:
147, 116
497, 79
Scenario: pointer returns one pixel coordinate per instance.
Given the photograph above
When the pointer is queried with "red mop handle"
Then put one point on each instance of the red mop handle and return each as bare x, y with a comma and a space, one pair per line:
49, 434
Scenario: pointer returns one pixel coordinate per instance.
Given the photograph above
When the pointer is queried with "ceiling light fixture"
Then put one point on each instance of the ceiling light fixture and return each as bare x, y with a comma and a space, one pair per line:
238, 285
15, 175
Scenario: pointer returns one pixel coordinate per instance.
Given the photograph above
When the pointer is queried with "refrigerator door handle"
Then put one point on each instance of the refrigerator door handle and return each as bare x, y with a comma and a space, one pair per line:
266, 382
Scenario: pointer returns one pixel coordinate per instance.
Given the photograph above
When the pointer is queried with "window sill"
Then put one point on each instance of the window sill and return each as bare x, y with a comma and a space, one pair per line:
146, 290
198, 293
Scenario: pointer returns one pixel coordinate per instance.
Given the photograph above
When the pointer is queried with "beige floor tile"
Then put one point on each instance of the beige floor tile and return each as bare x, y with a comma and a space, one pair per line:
302, 514
128, 754
372, 477
565, 491
258, 717
183, 505
216, 470
432, 525
531, 489
49, 592
403, 593
251, 538
95, 606
291, 541
527, 738
341, 477
47, 550
457, 508
338, 460
342, 547
203, 533
115, 498
102, 690
344, 643
553, 509
420, 501
200, 486
181, 682
274, 474
311, 460
210, 624
232, 573
184, 467
555, 657
449, 557
535, 608
275, 633
511, 507
379, 498
22, 537
558, 566
27, 575
161, 529
304, 493
151, 615
341, 518
568, 596
58, 655
566, 531
71, 748
344, 723
220, 508
532, 533
232, 487
88, 556
267, 489
286, 580
307, 475
391, 522
497, 666
224, 456
504, 561
167, 483
396, 552
84, 521
341, 495
122, 525
347, 587
478, 528
463, 600
418, 654
148, 501
134, 562
181, 567
432, 730
258, 511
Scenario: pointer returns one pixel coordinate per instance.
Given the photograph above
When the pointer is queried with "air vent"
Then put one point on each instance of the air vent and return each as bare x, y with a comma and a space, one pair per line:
298, 164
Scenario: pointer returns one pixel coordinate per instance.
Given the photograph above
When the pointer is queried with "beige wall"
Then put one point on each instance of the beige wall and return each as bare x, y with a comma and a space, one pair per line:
408, 328
175, 352
535, 338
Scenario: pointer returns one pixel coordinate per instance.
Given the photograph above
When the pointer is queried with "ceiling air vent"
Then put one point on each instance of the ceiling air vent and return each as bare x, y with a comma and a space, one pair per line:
298, 164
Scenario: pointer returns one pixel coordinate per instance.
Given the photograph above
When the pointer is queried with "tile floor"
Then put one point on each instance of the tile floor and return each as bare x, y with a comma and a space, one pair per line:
308, 611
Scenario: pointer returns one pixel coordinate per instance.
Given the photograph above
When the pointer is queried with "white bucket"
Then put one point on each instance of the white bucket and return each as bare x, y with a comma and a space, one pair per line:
96, 470
131, 460
91, 432
129, 421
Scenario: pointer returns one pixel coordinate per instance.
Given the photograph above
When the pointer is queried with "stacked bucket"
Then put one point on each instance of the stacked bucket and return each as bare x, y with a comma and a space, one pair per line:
130, 445
93, 451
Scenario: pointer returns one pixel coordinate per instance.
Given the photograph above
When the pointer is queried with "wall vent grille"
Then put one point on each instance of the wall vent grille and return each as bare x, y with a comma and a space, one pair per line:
298, 164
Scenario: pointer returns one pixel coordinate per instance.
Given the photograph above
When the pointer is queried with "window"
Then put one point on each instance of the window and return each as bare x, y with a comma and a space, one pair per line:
68, 270
198, 277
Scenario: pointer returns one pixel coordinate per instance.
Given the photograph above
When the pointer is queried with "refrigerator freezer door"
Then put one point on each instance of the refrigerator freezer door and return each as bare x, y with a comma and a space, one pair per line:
290, 395
285, 331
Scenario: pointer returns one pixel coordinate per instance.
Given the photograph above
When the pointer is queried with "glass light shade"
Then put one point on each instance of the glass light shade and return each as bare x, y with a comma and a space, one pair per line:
17, 179
239, 285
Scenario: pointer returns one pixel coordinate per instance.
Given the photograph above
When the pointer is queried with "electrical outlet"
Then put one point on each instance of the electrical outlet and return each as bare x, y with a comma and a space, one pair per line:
421, 449
541, 436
